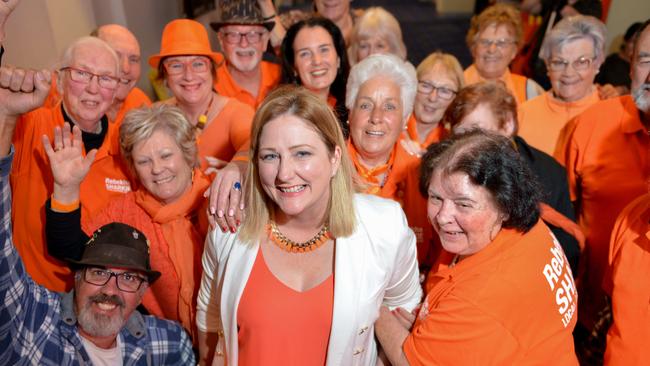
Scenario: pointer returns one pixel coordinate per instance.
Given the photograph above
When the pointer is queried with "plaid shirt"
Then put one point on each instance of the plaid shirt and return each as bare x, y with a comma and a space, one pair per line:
39, 327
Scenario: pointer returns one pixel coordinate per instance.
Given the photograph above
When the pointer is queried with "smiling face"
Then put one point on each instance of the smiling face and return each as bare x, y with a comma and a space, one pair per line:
243, 56
194, 84
128, 50
492, 60
315, 58
159, 164
570, 85
463, 214
483, 118
333, 10
295, 168
640, 72
103, 310
430, 107
87, 103
376, 120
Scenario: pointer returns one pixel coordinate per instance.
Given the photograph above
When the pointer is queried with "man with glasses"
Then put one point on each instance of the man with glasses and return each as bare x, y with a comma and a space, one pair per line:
606, 150
87, 83
243, 36
96, 323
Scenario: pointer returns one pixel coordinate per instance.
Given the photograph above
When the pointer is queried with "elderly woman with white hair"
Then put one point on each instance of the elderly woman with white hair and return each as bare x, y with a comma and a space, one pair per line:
380, 96
573, 52
376, 32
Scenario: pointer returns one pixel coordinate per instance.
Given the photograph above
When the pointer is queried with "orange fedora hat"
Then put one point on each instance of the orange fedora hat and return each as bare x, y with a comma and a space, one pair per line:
184, 37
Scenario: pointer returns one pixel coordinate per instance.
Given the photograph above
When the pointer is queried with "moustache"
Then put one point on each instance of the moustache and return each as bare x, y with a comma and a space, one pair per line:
109, 299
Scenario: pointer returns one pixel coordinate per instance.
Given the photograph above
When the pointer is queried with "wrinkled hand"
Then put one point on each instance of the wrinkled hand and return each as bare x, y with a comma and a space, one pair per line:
226, 204
607, 91
22, 90
214, 164
412, 147
69, 166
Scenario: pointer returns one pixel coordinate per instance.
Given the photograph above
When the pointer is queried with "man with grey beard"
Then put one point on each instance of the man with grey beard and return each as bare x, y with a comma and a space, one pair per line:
606, 151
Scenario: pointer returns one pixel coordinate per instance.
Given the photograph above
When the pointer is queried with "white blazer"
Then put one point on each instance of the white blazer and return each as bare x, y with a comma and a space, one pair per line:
376, 265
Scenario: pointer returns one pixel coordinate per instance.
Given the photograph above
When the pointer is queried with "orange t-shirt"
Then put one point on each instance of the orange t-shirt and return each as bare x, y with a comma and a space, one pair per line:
606, 153
280, 326
435, 135
515, 83
513, 302
542, 118
32, 184
402, 185
628, 283
225, 85
228, 133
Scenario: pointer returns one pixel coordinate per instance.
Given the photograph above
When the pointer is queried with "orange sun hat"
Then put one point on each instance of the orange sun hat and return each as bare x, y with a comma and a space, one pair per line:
184, 37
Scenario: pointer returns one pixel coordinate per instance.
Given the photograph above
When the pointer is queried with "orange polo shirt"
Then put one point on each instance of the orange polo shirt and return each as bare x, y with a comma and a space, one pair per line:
628, 283
402, 185
606, 154
32, 184
225, 85
435, 135
515, 83
513, 302
542, 118
228, 133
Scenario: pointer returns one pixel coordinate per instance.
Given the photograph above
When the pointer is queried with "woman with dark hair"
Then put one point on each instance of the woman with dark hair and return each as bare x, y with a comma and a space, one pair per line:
503, 293
314, 56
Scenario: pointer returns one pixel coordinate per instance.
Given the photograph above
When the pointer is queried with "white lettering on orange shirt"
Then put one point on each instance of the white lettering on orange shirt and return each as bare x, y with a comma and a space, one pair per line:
117, 185
560, 280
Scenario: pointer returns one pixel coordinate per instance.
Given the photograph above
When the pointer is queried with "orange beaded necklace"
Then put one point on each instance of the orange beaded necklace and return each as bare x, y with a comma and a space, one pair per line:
291, 246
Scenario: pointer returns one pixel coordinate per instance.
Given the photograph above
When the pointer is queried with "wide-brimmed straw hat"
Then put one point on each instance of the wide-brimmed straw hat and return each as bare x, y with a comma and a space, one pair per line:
240, 12
117, 245
184, 37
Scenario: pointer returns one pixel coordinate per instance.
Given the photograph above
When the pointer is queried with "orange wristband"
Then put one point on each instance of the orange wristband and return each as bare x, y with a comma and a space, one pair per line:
63, 207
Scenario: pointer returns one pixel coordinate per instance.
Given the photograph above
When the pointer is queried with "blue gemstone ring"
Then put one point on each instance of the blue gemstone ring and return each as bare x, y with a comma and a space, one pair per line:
236, 186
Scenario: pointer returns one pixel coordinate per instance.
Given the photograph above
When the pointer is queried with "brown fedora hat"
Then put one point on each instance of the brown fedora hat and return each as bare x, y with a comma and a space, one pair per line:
184, 37
240, 12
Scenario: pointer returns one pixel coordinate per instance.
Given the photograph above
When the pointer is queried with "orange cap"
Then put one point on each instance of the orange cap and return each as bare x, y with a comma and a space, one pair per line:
184, 37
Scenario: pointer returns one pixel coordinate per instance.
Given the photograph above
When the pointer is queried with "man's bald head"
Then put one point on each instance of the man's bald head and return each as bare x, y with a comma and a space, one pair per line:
128, 51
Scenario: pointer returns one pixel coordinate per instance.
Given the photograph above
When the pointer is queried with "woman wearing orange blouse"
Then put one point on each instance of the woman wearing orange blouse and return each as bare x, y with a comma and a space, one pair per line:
301, 283
493, 38
573, 52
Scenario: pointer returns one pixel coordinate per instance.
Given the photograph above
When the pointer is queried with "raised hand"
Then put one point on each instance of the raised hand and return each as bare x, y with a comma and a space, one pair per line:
69, 166
22, 90
6, 7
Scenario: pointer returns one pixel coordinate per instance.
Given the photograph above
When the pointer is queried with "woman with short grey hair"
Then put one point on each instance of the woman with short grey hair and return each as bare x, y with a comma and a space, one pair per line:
573, 52
376, 32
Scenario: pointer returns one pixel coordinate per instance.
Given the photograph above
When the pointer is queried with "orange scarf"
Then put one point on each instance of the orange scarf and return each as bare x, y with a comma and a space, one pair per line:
185, 241
371, 176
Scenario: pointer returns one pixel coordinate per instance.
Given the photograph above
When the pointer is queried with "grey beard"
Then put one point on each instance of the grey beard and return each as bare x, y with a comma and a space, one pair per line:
639, 98
100, 325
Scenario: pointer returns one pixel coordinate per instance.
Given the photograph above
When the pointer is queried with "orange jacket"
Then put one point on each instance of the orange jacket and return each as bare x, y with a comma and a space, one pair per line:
225, 85
32, 184
606, 153
515, 83
628, 283
513, 302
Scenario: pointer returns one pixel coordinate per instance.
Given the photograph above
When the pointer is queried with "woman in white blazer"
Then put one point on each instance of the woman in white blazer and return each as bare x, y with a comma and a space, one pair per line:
304, 278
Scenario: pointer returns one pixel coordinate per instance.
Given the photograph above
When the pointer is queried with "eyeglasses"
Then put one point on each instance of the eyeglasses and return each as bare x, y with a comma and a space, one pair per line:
580, 64
85, 77
500, 43
443, 92
126, 281
235, 37
177, 67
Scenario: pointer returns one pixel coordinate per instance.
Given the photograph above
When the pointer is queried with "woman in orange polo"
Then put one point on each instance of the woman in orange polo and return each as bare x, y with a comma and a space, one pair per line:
573, 52
493, 39
187, 65
505, 294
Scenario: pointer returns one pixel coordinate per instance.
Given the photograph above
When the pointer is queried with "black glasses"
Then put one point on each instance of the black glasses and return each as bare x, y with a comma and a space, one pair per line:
443, 92
580, 64
235, 37
85, 77
126, 281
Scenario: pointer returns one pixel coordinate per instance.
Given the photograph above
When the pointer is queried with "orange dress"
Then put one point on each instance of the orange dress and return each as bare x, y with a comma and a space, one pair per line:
280, 326
542, 118
515, 83
32, 184
628, 284
514, 302
225, 85
606, 151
